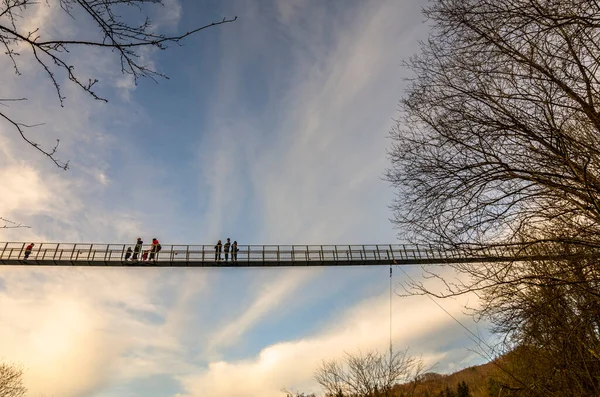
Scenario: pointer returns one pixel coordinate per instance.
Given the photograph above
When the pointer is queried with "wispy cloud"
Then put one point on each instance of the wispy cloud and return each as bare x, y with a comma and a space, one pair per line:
270, 296
273, 133
292, 364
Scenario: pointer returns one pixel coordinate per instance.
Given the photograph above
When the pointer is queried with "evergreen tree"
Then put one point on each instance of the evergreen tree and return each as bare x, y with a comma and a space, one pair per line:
462, 390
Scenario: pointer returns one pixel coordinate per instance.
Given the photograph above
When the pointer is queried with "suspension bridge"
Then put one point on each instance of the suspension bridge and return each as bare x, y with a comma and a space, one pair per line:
86, 254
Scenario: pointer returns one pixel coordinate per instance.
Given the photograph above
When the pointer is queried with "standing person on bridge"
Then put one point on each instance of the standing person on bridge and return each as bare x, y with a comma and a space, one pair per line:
218, 251
155, 248
128, 253
234, 251
28, 250
137, 249
226, 248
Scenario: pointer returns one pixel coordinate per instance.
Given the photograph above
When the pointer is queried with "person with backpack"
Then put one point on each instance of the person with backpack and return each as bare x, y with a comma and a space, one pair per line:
156, 247
128, 253
28, 250
137, 249
226, 249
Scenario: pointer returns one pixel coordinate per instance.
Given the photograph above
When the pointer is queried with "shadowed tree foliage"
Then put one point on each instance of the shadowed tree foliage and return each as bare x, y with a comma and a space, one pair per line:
499, 142
549, 313
462, 390
118, 26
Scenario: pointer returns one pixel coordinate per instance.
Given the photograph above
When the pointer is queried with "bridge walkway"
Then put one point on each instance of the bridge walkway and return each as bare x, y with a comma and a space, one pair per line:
90, 254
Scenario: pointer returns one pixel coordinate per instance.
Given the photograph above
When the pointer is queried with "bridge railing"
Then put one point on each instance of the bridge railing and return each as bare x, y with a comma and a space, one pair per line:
89, 252
356, 254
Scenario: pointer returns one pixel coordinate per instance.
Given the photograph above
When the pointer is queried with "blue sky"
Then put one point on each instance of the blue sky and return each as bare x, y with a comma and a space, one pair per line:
270, 130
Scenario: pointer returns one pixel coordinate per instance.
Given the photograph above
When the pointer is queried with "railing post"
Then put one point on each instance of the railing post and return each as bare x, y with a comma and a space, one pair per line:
350, 253
20, 252
44, 254
4, 249
72, 252
55, 252
293, 255
336, 255
39, 250
278, 256
392, 253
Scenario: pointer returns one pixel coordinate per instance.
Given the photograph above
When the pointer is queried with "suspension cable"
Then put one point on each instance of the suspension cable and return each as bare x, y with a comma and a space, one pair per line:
390, 311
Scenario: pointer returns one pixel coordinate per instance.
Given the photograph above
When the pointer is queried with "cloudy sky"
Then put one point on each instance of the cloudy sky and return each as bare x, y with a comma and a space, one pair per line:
270, 130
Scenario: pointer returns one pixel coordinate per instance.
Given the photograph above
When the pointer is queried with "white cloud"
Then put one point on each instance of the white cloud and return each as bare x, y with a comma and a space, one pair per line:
169, 14
77, 330
270, 295
316, 174
292, 364
23, 189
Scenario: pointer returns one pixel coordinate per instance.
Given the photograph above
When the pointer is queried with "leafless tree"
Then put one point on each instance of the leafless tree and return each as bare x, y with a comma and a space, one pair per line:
499, 142
112, 32
11, 381
499, 135
6, 224
549, 314
367, 375
296, 393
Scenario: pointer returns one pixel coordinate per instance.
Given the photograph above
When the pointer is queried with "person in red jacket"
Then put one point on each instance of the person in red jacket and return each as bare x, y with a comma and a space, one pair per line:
155, 248
28, 250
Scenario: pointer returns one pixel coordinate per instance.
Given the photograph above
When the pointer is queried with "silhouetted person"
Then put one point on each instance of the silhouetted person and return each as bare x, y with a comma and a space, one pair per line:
155, 248
137, 249
28, 250
128, 253
234, 251
226, 247
218, 251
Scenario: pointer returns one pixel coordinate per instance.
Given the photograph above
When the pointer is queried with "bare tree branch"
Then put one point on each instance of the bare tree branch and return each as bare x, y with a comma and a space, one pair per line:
12, 225
11, 381
114, 32
371, 374
499, 142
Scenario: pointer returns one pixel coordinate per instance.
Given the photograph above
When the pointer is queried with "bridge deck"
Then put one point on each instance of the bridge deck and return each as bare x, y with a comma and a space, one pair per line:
69, 254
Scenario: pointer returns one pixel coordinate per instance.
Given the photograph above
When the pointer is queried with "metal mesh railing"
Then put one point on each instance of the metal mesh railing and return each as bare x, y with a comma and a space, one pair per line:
82, 253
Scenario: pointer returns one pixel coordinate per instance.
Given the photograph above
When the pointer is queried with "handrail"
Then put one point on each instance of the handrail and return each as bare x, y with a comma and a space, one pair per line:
265, 255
